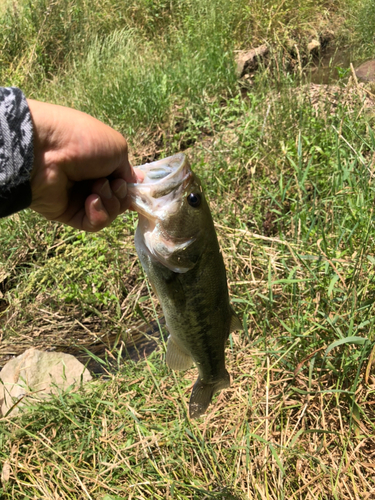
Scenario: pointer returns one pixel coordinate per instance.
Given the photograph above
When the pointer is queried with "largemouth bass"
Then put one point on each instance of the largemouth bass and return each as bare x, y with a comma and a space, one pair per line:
177, 245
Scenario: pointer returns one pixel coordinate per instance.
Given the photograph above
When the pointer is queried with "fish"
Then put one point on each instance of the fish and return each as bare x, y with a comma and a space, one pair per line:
177, 245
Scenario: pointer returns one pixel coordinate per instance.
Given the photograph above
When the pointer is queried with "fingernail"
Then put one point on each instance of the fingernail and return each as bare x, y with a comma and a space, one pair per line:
122, 190
98, 205
139, 175
106, 191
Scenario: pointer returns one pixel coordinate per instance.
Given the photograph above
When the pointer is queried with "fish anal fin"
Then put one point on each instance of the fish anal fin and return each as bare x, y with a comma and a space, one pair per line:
176, 358
235, 322
202, 394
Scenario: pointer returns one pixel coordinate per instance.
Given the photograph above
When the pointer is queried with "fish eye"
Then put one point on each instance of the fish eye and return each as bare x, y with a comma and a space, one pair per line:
194, 199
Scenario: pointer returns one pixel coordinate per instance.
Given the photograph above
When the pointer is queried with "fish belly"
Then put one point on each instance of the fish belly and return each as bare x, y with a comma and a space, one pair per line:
198, 315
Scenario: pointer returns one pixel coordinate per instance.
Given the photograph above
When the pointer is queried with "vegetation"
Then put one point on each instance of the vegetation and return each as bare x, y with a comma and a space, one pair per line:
289, 171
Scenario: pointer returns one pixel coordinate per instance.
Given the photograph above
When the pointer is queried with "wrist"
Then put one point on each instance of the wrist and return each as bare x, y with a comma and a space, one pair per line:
43, 120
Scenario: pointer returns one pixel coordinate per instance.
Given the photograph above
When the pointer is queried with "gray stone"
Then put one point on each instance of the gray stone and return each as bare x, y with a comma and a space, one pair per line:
248, 60
35, 374
291, 45
366, 71
313, 47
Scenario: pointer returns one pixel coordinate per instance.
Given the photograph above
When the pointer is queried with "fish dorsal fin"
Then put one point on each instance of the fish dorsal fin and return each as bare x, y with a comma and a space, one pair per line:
235, 322
176, 358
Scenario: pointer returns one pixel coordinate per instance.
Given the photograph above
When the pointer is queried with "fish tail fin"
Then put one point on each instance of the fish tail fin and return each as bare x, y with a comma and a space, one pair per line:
202, 394
176, 358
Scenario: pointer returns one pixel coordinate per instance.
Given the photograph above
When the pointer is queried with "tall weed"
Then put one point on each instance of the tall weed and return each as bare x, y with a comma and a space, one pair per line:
364, 27
40, 38
135, 84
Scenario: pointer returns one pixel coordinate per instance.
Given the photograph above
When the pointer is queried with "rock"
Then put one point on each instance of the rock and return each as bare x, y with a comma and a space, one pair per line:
326, 37
37, 374
366, 71
313, 48
5, 473
248, 61
290, 46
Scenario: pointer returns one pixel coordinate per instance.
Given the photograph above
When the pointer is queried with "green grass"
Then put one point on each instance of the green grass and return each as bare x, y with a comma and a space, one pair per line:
364, 24
290, 177
139, 64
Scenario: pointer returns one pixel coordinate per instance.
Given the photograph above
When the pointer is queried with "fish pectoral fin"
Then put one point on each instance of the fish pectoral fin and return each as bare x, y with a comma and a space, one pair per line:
176, 358
202, 394
235, 322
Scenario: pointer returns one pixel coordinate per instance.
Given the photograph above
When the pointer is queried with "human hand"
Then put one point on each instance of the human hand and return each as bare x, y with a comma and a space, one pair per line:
81, 168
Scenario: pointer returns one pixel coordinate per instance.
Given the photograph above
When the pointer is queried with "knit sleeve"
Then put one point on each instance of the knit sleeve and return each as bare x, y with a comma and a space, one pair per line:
16, 151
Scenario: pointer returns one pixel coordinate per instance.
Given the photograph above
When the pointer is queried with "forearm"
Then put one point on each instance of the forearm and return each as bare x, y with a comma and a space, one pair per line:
16, 151
63, 163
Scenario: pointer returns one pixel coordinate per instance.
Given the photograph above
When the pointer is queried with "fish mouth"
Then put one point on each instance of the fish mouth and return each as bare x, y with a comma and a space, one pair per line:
163, 180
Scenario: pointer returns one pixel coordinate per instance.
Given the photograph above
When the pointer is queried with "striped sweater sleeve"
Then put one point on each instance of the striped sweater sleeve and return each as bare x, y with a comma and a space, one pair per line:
16, 151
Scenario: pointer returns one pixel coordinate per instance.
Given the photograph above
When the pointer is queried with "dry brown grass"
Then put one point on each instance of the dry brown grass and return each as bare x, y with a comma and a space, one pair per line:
261, 439
278, 432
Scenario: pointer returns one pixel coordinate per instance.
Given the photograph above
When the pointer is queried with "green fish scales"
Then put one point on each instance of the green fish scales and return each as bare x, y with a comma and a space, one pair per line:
178, 248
